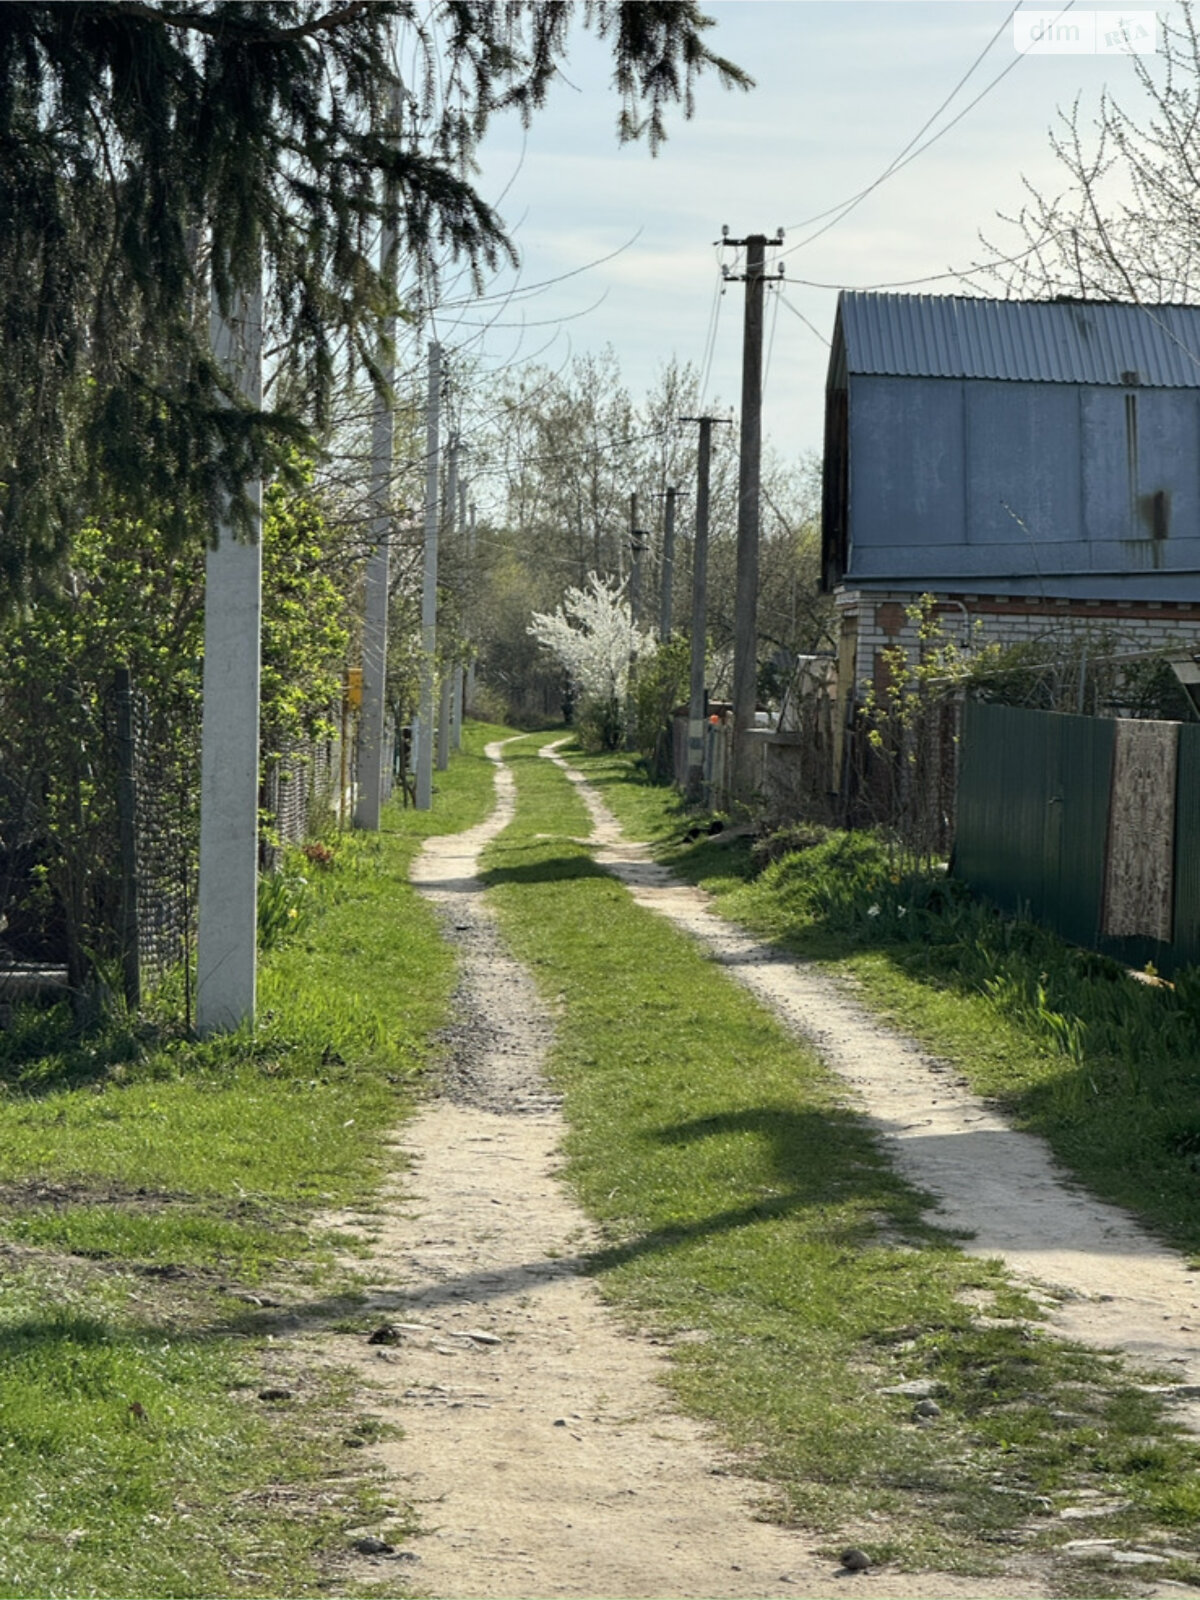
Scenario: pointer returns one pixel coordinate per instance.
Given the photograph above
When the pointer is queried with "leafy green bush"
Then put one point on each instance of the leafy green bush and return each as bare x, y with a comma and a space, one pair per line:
660, 683
599, 724
487, 704
129, 598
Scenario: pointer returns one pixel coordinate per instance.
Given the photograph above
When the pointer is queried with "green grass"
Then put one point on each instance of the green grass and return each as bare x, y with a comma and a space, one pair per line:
754, 1220
145, 1181
172, 1498
1105, 1068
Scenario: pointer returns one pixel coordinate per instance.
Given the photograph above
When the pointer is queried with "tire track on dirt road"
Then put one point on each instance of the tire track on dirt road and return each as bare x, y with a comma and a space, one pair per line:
540, 1449
1101, 1278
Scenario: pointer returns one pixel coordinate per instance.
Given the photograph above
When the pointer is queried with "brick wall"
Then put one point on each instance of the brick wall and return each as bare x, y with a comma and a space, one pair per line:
882, 623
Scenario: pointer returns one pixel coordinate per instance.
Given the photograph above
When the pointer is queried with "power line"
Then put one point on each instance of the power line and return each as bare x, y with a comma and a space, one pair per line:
796, 312
909, 154
960, 273
714, 317
929, 121
519, 291
771, 339
609, 447
550, 322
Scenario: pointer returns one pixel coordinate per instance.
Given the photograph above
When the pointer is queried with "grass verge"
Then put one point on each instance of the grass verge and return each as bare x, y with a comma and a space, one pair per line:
156, 1437
1105, 1067
756, 1223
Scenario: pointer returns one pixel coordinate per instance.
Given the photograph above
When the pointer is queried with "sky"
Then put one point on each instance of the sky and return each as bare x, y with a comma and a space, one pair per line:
842, 86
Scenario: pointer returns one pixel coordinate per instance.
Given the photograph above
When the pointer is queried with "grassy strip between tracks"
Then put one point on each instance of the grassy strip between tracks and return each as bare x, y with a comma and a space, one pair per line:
755, 1222
157, 1242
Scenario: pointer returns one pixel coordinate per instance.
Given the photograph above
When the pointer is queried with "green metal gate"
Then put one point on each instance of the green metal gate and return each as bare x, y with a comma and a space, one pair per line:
1033, 798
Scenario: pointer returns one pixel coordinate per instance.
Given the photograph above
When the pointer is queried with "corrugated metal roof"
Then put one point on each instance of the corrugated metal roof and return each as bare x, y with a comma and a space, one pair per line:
1045, 341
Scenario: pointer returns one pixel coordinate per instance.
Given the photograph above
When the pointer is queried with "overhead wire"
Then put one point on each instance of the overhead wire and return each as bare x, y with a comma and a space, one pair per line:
909, 154
929, 277
569, 316
609, 447
915, 147
845, 206
458, 335
549, 283
796, 312
710, 346
771, 337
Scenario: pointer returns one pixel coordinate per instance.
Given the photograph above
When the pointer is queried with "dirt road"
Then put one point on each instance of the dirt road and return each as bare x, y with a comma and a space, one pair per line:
1110, 1283
539, 1448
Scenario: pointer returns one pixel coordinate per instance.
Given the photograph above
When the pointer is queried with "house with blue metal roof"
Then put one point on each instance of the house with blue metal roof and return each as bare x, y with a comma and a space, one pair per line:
1035, 465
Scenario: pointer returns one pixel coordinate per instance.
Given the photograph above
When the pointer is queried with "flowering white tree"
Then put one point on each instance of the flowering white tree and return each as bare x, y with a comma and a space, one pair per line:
594, 636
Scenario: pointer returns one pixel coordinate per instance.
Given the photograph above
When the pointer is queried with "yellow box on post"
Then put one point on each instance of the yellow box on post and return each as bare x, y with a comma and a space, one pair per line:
354, 688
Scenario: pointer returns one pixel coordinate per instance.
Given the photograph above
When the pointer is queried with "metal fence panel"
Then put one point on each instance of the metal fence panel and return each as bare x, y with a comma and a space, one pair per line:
1033, 814
1033, 822
1084, 752
1187, 847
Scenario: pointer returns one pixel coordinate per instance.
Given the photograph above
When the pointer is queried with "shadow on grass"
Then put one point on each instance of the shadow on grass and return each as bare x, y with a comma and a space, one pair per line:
813, 1161
630, 778
818, 1160
549, 869
56, 1328
712, 862
43, 1053
188, 1305
45, 1050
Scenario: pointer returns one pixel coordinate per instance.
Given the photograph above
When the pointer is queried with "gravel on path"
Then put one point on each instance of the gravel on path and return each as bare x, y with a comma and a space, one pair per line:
539, 1446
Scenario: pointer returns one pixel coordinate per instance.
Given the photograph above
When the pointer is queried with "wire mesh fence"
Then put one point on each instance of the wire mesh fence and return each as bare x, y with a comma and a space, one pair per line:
301, 794
100, 827
310, 787
166, 784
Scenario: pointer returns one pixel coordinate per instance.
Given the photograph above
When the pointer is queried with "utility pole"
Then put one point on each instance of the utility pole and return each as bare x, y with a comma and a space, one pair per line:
227, 931
745, 620
373, 716
425, 720
696, 697
472, 545
668, 565
638, 539
445, 706
457, 699
637, 548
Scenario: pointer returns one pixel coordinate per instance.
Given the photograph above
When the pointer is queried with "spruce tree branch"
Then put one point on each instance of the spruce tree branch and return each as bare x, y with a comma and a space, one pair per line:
331, 19
196, 22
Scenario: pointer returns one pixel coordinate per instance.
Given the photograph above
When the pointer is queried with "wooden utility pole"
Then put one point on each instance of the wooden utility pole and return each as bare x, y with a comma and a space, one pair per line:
372, 724
696, 697
745, 620
668, 565
425, 720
